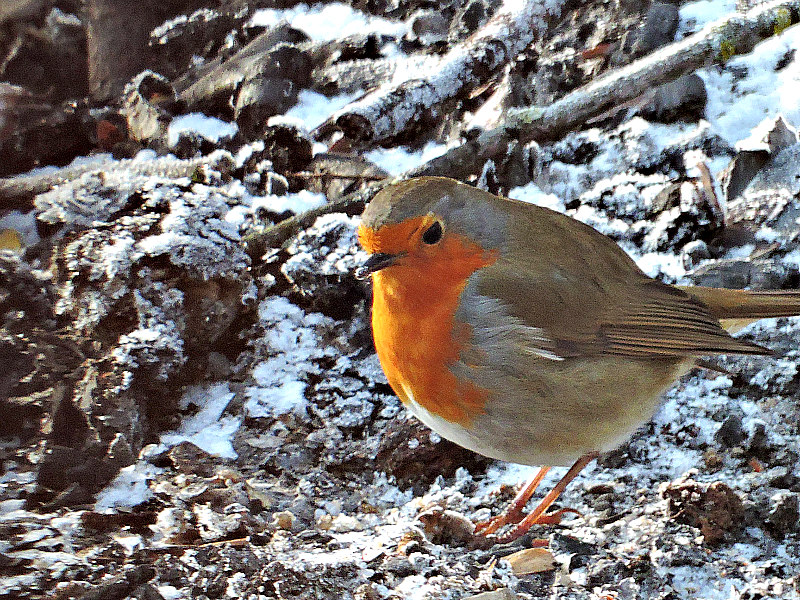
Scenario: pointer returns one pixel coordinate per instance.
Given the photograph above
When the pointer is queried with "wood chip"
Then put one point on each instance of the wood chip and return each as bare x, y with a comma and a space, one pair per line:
531, 560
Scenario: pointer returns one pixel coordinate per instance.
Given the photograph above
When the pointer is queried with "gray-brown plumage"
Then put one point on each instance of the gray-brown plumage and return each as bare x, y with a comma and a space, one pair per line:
571, 341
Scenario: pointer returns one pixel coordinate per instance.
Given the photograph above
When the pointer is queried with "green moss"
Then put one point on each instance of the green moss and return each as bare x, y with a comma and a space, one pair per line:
727, 50
783, 19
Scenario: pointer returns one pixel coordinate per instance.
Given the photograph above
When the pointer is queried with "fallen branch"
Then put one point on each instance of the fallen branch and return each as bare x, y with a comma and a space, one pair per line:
737, 34
741, 32
389, 110
18, 192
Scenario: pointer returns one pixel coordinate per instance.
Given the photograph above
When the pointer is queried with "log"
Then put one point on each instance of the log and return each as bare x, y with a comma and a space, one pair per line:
18, 192
391, 109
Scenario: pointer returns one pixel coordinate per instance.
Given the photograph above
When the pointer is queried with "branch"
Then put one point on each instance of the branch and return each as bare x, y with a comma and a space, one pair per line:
740, 32
19, 192
392, 108
736, 34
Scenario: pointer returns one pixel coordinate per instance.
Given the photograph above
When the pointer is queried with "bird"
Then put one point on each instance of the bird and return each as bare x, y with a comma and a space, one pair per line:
526, 335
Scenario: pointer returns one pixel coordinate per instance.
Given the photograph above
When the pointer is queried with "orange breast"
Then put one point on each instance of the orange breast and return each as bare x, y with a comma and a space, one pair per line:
416, 337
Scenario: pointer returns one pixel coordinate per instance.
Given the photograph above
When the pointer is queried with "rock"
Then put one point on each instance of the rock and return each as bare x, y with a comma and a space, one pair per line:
531, 560
695, 252
731, 433
780, 174
187, 458
659, 28
740, 172
784, 514
681, 100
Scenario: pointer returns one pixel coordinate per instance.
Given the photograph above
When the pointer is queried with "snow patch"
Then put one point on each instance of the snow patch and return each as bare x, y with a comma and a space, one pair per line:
210, 128
325, 22
207, 429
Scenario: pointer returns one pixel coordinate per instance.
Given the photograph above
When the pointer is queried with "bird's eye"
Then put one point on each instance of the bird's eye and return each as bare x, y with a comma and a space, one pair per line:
433, 234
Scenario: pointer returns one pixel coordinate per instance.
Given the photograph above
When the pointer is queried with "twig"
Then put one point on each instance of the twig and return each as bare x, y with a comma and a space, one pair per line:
256, 244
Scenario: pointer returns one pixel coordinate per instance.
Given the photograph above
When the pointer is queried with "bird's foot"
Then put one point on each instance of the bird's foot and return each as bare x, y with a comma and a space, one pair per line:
493, 525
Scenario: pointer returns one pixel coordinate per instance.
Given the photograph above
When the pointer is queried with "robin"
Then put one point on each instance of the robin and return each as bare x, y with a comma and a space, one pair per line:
527, 336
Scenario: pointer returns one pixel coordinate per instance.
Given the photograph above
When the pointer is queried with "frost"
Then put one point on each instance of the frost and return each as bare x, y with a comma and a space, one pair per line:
292, 343
129, 488
207, 429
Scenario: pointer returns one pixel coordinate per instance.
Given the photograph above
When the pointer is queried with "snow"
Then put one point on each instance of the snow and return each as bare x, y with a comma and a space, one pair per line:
292, 340
398, 159
297, 203
207, 429
313, 108
170, 592
696, 15
323, 22
752, 88
533, 194
210, 128
129, 487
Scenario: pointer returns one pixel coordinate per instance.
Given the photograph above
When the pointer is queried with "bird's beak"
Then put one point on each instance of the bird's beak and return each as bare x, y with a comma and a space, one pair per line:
375, 262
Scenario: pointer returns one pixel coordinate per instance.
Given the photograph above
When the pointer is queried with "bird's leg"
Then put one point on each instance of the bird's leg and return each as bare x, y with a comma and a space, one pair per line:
538, 515
514, 513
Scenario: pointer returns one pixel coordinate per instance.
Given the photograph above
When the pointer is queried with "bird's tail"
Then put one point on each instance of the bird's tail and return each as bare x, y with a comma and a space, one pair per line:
738, 308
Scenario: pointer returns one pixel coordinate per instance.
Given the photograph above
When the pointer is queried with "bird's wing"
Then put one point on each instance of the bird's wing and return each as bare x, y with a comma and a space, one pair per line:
583, 295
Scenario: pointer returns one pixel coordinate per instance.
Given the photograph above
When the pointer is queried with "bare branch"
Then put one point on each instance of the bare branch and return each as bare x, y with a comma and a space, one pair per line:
389, 110
737, 34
